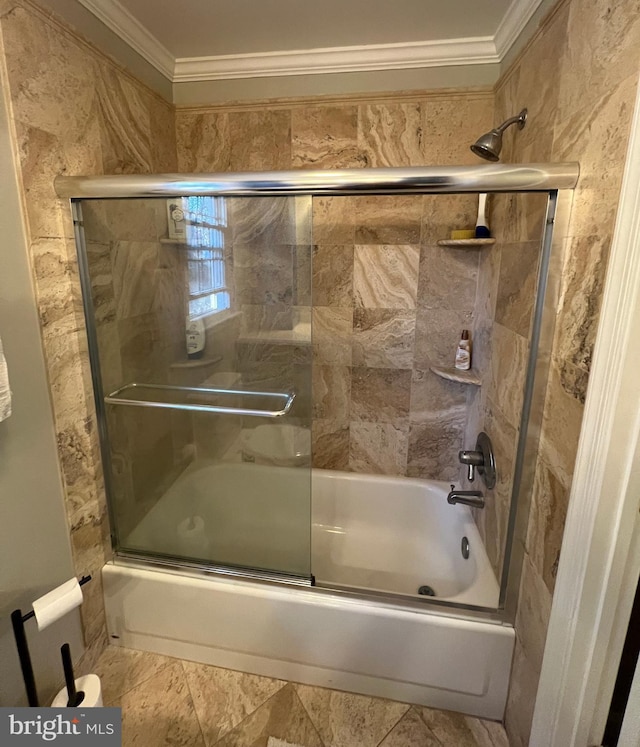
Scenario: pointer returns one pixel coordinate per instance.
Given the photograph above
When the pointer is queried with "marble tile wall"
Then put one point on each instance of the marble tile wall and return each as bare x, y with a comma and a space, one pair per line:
138, 288
578, 78
505, 297
387, 301
74, 112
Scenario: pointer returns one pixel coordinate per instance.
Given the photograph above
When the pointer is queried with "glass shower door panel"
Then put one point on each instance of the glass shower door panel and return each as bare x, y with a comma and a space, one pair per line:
207, 456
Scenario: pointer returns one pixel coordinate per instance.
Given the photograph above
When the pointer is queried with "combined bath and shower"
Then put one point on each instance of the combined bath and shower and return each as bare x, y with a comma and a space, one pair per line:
489, 145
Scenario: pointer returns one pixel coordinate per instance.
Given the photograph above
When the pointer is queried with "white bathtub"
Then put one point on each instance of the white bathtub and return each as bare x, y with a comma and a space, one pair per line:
374, 533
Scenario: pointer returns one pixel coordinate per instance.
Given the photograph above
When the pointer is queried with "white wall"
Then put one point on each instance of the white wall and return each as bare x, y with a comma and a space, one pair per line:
35, 554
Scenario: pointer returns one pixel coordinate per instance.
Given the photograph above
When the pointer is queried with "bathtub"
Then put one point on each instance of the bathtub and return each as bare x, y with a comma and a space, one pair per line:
372, 535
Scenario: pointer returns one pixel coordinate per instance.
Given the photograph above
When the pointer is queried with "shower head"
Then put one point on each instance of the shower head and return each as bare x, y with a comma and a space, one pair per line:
489, 145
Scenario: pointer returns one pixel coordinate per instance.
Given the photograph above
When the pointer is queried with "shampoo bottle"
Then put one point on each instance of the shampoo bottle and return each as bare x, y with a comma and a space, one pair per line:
195, 337
482, 224
463, 353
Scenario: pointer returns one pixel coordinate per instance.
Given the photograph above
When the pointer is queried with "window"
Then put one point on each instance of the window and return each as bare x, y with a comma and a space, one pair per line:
206, 223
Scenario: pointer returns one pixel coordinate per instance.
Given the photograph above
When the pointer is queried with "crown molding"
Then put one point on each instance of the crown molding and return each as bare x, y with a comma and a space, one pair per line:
512, 25
482, 50
130, 30
476, 51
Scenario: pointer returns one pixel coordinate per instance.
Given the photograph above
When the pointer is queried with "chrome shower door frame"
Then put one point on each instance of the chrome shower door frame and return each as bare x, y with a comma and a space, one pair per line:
557, 180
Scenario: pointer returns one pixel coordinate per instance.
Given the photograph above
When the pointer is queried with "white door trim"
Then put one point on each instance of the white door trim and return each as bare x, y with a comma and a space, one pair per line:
598, 569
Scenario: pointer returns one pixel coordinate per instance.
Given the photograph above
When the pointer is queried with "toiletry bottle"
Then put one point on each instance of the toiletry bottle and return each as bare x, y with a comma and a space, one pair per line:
482, 224
463, 353
195, 337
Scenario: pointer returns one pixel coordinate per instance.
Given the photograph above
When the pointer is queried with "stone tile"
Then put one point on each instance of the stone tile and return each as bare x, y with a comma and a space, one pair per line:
333, 275
509, 359
385, 277
521, 699
332, 393
600, 126
484, 309
162, 136
334, 220
448, 278
391, 135
329, 444
150, 720
451, 124
261, 226
442, 214
433, 397
123, 669
344, 719
55, 268
517, 286
600, 50
410, 731
383, 338
456, 730
504, 439
380, 395
261, 140
134, 274
325, 137
534, 610
387, 219
487, 733
433, 448
332, 334
58, 96
561, 424
518, 218
302, 276
583, 282
43, 156
204, 141
282, 717
123, 108
378, 448
547, 517
121, 220
223, 698
437, 335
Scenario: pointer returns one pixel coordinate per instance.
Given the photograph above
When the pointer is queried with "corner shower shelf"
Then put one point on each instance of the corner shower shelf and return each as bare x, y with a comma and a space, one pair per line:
471, 243
200, 399
453, 374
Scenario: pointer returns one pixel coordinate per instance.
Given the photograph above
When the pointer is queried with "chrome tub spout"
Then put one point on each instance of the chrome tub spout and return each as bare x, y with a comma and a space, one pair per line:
473, 498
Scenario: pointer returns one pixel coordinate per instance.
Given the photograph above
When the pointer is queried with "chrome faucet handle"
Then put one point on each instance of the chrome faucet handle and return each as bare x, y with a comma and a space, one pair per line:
472, 459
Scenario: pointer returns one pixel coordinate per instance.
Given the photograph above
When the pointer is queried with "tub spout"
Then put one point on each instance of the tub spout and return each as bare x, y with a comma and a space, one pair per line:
473, 498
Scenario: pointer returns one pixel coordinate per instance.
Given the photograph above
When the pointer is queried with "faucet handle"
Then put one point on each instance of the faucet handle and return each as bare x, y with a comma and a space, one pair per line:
472, 459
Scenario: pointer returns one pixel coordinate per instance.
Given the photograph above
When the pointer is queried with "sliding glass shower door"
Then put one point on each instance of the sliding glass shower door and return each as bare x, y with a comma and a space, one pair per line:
198, 310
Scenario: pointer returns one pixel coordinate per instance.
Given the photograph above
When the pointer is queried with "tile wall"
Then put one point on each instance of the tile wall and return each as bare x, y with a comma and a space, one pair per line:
387, 301
74, 112
578, 78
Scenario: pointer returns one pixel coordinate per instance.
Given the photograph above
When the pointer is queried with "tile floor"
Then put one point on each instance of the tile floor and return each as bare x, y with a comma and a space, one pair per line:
170, 702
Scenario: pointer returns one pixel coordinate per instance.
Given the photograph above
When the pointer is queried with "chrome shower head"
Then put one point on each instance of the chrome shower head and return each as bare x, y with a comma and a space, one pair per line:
489, 145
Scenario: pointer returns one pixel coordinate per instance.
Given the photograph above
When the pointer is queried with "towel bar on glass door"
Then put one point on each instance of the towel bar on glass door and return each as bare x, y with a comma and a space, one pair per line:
195, 398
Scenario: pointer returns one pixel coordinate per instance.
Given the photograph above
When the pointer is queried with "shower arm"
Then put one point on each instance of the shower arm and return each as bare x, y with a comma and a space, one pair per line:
518, 119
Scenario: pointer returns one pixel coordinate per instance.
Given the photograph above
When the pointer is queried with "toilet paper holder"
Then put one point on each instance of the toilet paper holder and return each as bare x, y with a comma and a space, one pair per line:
18, 620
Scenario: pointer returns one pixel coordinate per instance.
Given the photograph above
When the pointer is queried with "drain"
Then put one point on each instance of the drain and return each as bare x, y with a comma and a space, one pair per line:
426, 591
464, 547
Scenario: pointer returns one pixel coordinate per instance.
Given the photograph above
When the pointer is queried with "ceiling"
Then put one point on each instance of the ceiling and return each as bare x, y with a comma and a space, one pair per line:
217, 39
199, 28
